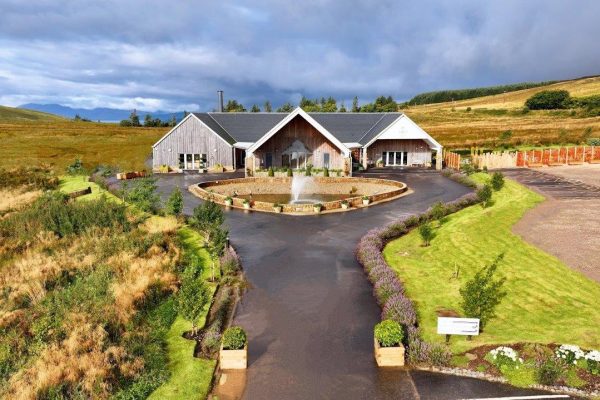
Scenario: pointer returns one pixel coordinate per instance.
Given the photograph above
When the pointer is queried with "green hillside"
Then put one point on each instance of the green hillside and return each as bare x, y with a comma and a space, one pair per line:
11, 114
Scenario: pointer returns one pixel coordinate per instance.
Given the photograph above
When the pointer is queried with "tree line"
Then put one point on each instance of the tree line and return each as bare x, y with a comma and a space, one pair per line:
327, 105
149, 122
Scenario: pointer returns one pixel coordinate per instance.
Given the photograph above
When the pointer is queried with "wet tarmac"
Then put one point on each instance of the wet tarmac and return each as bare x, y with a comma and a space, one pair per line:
309, 311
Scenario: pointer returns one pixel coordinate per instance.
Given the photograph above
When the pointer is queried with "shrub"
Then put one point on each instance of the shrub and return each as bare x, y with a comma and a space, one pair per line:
142, 194
270, 172
36, 178
504, 357
549, 100
549, 371
569, 353
593, 362
438, 211
230, 262
593, 141
308, 170
385, 287
326, 173
419, 351
497, 181
174, 204
484, 195
206, 215
467, 168
234, 338
290, 172
439, 355
506, 135
426, 233
468, 109
399, 308
482, 294
76, 168
388, 333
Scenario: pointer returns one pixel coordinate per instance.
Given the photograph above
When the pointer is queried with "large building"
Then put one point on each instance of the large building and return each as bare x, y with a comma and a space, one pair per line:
256, 141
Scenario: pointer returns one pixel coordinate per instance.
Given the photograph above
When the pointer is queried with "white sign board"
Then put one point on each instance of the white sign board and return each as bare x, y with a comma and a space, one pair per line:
458, 326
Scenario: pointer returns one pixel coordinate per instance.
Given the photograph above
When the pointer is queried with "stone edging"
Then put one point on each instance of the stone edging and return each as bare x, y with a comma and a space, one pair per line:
491, 378
201, 191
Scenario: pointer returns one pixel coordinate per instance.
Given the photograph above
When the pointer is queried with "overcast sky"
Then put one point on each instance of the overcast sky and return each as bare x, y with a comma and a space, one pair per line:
174, 54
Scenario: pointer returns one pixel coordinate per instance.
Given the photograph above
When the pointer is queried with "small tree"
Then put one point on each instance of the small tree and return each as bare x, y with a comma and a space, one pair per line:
497, 181
206, 215
355, 107
255, 108
426, 234
76, 168
134, 119
482, 294
217, 240
174, 205
267, 107
484, 195
191, 298
142, 194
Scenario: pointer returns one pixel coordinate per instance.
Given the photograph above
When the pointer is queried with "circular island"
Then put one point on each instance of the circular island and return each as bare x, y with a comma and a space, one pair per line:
299, 195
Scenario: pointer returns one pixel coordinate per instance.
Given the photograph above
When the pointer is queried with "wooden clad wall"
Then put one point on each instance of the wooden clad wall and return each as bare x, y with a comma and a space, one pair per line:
192, 137
299, 129
418, 150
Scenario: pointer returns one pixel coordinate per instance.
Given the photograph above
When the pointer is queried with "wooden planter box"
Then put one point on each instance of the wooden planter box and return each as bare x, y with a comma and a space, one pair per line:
345, 206
228, 203
366, 202
388, 356
247, 206
233, 359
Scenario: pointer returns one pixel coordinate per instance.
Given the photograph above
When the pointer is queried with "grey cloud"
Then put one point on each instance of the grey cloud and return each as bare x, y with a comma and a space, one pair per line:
176, 54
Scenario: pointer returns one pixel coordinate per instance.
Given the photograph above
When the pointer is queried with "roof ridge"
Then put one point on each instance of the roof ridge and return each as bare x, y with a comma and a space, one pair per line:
371, 128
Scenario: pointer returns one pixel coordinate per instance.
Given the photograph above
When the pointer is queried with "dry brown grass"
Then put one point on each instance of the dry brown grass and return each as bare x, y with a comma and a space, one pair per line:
85, 359
138, 275
14, 199
59, 142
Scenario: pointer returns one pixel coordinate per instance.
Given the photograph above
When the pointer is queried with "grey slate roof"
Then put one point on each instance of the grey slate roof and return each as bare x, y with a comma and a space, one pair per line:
250, 127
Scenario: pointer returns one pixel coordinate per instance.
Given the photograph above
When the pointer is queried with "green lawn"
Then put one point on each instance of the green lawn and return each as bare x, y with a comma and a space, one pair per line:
68, 184
546, 302
190, 376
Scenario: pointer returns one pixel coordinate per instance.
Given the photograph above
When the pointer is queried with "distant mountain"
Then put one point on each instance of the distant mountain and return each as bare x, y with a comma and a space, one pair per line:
98, 114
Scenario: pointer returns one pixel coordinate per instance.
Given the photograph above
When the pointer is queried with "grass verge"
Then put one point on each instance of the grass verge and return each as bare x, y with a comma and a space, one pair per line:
547, 302
190, 377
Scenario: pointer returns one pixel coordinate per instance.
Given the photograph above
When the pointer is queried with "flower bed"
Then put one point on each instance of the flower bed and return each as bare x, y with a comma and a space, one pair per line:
389, 291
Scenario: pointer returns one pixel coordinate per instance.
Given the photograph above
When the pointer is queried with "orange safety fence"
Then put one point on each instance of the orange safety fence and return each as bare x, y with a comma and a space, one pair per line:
559, 156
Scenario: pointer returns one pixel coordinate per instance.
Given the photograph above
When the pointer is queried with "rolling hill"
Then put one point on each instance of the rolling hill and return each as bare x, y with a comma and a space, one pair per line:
24, 115
480, 121
98, 114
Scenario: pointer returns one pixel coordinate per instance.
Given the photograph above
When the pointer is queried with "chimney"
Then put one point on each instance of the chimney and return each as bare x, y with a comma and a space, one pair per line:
220, 104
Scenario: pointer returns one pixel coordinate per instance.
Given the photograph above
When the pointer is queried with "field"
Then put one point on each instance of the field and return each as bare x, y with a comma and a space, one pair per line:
57, 141
87, 288
455, 127
546, 303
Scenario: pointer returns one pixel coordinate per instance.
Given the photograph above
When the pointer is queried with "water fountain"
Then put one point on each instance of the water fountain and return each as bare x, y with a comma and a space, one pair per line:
298, 184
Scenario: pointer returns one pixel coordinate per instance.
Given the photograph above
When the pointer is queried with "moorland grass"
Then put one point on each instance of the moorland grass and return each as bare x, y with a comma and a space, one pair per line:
546, 303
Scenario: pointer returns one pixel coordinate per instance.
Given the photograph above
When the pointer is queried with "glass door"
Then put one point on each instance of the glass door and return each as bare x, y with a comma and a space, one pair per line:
395, 158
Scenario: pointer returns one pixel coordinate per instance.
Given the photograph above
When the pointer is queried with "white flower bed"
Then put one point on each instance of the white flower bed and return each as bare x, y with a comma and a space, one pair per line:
570, 353
593, 355
504, 355
593, 362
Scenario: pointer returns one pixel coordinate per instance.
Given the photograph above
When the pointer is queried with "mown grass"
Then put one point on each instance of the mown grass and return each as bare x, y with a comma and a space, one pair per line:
59, 142
546, 302
190, 377
69, 184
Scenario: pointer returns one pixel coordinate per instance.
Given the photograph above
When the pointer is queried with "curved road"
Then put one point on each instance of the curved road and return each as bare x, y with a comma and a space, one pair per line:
309, 311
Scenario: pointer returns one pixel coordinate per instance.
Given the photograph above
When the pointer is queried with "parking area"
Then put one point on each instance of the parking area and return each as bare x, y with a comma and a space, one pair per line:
567, 224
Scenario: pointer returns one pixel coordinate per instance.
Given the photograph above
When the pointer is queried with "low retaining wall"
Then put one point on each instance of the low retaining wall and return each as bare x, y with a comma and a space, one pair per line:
203, 191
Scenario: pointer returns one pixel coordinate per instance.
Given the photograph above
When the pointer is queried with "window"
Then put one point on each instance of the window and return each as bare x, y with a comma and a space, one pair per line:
285, 160
269, 160
188, 161
196, 161
203, 159
326, 160
181, 161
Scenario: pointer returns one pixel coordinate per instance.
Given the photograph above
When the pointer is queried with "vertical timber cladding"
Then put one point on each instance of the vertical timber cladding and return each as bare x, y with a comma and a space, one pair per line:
418, 150
192, 137
299, 129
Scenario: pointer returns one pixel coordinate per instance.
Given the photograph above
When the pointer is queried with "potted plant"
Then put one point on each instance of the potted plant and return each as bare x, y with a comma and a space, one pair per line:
246, 204
389, 350
234, 349
228, 201
366, 200
345, 204
277, 207
317, 207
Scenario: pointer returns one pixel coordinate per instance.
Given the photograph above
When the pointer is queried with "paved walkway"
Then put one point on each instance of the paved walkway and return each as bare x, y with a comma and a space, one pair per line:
309, 311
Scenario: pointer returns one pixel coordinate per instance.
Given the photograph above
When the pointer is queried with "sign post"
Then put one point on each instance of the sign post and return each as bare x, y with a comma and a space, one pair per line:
458, 326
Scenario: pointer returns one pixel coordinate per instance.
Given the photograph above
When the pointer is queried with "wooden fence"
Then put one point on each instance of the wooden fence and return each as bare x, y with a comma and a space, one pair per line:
495, 160
451, 160
559, 156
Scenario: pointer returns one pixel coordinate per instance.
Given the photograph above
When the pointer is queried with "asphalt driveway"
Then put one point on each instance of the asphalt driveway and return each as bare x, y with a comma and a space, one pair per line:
309, 311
